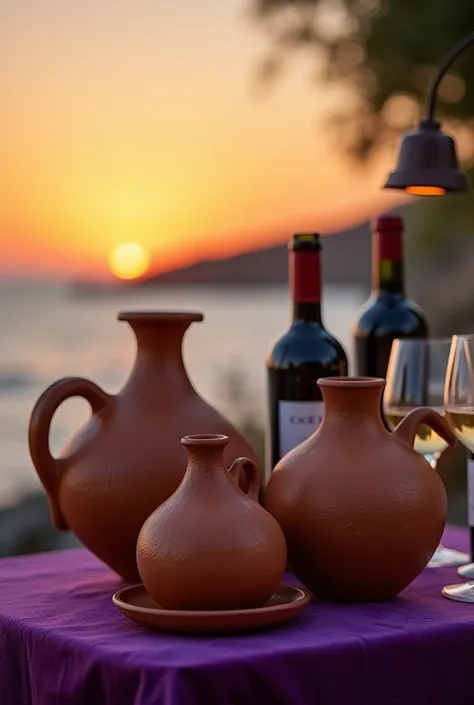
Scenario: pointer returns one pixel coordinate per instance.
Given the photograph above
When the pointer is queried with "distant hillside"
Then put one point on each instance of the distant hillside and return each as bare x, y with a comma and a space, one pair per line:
346, 260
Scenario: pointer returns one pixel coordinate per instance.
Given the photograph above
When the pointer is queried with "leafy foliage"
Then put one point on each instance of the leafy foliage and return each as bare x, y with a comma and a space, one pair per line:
381, 54
383, 51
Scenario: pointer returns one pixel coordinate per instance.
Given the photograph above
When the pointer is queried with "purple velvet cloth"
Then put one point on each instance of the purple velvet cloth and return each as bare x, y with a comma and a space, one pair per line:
62, 641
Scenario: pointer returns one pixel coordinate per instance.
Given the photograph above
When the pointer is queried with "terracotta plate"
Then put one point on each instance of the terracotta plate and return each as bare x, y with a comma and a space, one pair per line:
136, 604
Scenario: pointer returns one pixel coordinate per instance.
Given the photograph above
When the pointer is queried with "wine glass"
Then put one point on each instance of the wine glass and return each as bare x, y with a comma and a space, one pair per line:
415, 377
459, 405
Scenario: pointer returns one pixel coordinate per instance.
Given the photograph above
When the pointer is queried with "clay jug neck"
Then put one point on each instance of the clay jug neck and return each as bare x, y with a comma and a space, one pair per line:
353, 399
159, 368
205, 455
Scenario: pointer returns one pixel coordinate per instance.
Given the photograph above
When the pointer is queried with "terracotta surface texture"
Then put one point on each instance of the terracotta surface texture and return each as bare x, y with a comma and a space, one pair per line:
127, 459
210, 546
361, 511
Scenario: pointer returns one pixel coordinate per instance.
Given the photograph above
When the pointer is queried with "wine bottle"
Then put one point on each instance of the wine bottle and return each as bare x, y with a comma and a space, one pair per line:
300, 356
388, 314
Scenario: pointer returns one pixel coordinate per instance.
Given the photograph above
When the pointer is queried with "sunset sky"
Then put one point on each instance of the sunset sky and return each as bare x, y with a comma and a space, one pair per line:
138, 121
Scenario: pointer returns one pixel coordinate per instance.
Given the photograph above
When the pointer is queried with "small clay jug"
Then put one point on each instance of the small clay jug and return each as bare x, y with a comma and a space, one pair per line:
127, 459
361, 511
210, 546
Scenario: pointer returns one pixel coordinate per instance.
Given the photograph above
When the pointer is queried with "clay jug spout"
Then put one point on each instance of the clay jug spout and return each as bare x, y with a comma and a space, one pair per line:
148, 326
352, 397
408, 427
159, 367
205, 453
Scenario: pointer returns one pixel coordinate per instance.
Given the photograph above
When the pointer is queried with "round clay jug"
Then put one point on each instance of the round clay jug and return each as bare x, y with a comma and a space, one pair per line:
127, 459
210, 546
361, 511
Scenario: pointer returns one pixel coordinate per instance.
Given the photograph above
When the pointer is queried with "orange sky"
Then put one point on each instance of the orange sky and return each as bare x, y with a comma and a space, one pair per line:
138, 120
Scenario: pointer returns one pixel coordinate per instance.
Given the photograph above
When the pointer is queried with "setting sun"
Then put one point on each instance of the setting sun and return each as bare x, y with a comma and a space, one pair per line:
129, 260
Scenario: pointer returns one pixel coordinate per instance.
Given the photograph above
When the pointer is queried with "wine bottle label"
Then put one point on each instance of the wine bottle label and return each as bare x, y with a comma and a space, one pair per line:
470, 491
297, 421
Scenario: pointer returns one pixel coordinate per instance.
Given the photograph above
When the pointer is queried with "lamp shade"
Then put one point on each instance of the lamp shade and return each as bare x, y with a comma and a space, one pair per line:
427, 163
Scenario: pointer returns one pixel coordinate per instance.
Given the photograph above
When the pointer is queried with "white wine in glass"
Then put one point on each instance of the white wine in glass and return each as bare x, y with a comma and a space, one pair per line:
461, 419
427, 442
459, 405
415, 377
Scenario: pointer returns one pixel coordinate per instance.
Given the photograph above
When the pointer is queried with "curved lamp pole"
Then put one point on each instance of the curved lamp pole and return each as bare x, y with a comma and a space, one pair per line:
427, 163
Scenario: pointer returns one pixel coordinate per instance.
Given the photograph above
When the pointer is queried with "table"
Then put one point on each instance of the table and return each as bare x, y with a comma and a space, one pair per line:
62, 641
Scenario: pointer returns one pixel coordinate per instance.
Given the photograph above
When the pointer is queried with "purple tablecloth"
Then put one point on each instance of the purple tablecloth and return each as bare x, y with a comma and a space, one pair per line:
62, 641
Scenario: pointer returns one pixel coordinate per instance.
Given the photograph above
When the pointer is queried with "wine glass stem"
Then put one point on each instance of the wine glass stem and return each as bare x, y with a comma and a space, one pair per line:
432, 459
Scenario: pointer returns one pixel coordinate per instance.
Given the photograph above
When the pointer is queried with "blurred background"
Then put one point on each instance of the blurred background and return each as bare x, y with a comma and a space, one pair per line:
160, 155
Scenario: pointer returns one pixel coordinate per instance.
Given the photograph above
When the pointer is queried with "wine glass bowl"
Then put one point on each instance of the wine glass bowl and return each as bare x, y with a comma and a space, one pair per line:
427, 442
459, 405
416, 376
459, 390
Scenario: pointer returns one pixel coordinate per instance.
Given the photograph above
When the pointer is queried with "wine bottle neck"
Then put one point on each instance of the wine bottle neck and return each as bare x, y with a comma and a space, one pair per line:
310, 312
387, 264
305, 285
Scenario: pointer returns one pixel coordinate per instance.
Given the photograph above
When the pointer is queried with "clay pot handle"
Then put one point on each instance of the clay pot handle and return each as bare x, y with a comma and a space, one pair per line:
47, 467
407, 428
252, 476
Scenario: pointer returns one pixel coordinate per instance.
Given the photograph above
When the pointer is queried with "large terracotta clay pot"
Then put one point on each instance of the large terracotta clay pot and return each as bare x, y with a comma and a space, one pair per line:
361, 511
128, 458
210, 546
